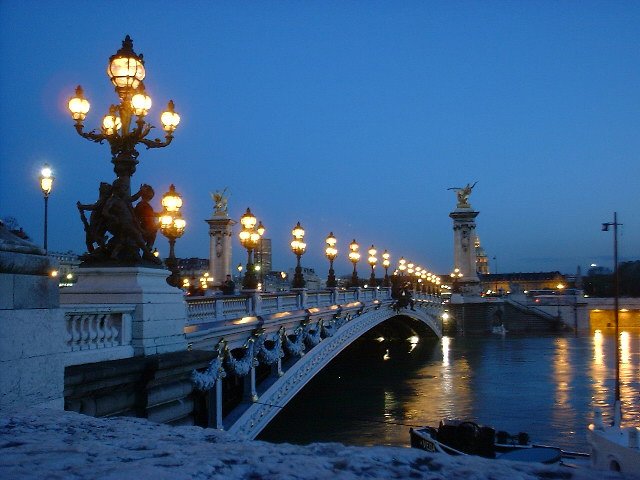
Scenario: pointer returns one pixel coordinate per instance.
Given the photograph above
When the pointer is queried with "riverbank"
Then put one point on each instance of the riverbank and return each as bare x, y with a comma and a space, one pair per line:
50, 444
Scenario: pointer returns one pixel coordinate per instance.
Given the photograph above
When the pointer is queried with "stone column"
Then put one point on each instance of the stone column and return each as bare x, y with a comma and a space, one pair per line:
220, 236
464, 251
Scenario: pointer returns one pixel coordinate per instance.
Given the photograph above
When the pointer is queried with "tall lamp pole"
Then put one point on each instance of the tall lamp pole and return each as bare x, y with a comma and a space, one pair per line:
172, 226
354, 256
372, 262
616, 283
46, 184
331, 253
298, 247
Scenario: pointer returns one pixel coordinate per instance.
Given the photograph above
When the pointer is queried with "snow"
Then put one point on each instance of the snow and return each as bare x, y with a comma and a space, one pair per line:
44, 443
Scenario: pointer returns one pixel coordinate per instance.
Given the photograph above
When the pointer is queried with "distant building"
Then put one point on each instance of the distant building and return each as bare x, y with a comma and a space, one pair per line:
193, 267
482, 261
519, 282
262, 255
68, 263
312, 281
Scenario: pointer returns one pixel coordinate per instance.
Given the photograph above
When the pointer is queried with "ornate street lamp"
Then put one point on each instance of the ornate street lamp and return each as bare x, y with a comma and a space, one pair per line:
455, 276
46, 184
249, 238
331, 253
372, 262
260, 229
298, 247
239, 267
124, 127
354, 257
386, 262
172, 226
402, 265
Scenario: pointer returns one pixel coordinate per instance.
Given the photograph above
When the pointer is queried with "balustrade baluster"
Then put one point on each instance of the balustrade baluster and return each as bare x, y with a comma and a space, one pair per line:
101, 321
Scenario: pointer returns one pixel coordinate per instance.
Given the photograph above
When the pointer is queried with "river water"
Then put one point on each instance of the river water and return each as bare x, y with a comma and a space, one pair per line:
546, 386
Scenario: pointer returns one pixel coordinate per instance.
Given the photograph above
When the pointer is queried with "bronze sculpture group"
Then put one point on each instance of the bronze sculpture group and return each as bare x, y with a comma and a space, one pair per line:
132, 229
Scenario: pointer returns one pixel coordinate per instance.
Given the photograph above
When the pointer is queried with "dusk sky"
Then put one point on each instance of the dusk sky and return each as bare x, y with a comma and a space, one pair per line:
348, 116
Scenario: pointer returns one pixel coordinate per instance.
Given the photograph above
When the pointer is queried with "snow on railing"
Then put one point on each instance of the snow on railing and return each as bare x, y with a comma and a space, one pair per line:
95, 327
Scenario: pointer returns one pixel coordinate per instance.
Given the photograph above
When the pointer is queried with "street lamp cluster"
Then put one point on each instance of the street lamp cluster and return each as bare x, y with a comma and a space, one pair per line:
46, 184
172, 226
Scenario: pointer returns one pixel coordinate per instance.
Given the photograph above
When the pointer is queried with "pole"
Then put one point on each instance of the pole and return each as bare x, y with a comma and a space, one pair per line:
617, 294
46, 216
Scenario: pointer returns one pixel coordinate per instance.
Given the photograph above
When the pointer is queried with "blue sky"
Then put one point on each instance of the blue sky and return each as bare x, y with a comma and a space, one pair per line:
352, 117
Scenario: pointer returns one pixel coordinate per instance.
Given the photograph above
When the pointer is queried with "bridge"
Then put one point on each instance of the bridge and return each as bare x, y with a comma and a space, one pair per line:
246, 356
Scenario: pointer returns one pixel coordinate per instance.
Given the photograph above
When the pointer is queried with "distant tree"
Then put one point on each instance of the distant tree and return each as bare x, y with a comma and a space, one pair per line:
598, 284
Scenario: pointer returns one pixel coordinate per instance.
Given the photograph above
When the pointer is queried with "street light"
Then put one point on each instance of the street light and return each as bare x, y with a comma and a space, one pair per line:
560, 287
331, 253
455, 276
616, 283
260, 229
124, 127
386, 262
249, 238
298, 247
172, 226
354, 256
402, 265
46, 184
372, 261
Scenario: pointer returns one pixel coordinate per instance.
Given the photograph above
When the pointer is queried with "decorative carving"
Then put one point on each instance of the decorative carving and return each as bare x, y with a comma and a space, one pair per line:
207, 380
242, 366
270, 355
295, 347
312, 335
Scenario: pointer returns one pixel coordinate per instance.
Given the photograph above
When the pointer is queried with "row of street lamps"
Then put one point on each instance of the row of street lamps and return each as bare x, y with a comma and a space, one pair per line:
124, 127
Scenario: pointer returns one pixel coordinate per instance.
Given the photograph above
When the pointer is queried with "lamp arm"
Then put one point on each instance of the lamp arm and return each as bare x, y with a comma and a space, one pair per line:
157, 143
93, 135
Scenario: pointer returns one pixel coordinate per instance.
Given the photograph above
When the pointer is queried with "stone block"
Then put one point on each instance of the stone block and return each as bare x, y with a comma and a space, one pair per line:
35, 291
6, 292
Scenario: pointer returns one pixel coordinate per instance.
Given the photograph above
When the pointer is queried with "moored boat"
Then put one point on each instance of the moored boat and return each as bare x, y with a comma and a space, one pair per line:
455, 437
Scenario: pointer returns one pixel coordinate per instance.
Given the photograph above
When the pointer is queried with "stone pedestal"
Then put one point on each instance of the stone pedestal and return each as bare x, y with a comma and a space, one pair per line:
464, 251
220, 236
32, 327
160, 310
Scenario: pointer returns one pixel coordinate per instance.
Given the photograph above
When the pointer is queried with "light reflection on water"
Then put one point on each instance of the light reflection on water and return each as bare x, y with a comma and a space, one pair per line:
546, 386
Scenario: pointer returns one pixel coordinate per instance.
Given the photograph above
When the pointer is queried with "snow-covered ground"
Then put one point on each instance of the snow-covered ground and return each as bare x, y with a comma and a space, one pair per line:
49, 444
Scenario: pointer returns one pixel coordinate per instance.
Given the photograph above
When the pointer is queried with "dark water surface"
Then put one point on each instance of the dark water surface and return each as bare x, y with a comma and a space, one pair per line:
546, 386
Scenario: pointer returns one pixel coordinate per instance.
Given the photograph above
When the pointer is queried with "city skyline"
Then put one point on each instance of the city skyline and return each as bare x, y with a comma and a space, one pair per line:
352, 117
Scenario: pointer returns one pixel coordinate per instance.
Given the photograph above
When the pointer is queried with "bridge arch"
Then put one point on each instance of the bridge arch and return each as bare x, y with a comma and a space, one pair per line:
256, 417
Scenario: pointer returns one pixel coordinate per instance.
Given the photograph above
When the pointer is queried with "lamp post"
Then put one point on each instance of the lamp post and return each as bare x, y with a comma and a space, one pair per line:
402, 266
354, 256
616, 283
560, 287
239, 267
455, 275
386, 262
46, 184
331, 253
298, 247
260, 229
172, 226
124, 127
372, 262
249, 238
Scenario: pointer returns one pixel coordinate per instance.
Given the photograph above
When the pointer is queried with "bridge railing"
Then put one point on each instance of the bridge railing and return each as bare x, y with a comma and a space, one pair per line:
98, 332
220, 308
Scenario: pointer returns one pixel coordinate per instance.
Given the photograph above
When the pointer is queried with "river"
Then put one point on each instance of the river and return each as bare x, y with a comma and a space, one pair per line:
547, 386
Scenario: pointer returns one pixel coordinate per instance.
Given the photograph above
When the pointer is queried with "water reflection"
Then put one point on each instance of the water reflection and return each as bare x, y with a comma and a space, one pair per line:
547, 386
